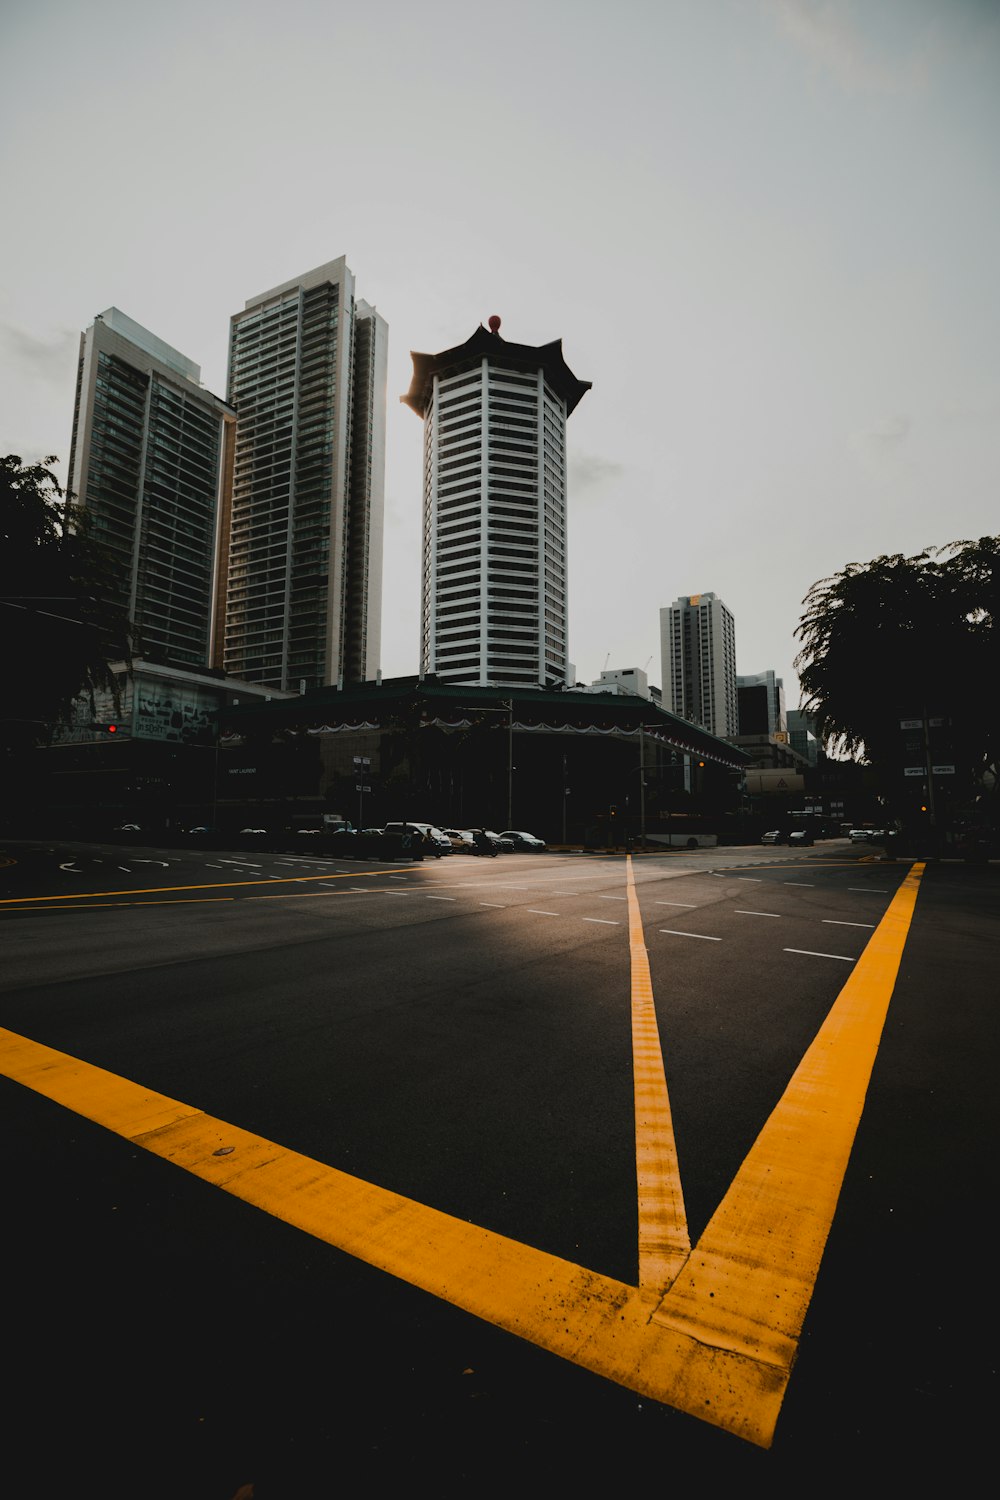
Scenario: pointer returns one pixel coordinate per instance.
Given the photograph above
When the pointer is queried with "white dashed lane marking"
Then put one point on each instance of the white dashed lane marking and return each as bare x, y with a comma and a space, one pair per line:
670, 931
811, 953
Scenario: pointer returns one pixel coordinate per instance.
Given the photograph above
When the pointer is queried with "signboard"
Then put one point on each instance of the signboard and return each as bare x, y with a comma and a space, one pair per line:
914, 770
910, 723
943, 770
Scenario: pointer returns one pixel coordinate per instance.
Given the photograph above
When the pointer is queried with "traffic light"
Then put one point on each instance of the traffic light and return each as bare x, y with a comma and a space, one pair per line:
105, 728
614, 812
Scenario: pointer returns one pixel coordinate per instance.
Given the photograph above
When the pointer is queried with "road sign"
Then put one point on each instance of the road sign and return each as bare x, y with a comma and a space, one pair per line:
943, 770
914, 770
910, 723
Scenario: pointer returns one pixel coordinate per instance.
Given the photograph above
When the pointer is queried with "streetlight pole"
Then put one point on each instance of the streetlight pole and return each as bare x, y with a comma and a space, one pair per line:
510, 764
642, 788
362, 762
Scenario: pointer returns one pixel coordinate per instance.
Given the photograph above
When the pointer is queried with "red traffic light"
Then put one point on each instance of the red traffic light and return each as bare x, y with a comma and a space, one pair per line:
111, 728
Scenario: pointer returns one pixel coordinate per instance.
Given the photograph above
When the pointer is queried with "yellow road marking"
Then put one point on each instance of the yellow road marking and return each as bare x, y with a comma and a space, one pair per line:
750, 1278
663, 1234
718, 1345
215, 885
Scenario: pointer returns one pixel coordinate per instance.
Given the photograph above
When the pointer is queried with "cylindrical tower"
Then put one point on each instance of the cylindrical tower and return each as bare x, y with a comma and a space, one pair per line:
494, 596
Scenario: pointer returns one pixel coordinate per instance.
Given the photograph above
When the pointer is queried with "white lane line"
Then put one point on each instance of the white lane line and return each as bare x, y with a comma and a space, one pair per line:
869, 890
743, 913
705, 939
537, 913
604, 921
833, 922
756, 878
440, 898
811, 953
691, 904
806, 885
500, 905
399, 877
612, 898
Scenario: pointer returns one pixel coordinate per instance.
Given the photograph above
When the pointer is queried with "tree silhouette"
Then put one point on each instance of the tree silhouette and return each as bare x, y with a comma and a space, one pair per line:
59, 625
908, 637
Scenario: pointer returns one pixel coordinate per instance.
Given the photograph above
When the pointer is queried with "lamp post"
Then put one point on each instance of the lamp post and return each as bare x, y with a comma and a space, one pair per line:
508, 709
362, 762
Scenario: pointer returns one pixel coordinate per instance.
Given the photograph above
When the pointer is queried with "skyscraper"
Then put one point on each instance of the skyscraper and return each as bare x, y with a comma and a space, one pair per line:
301, 591
761, 703
148, 461
698, 662
493, 598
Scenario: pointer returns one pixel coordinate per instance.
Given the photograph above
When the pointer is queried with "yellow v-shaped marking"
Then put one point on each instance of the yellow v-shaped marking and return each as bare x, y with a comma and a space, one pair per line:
718, 1344
663, 1236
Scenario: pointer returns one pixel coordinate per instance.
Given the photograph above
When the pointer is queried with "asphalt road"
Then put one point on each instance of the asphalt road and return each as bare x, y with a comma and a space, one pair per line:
572, 1137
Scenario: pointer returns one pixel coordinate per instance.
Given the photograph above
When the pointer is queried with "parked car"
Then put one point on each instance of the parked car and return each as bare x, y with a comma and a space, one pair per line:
858, 835
801, 836
435, 842
462, 841
525, 842
774, 836
251, 832
504, 844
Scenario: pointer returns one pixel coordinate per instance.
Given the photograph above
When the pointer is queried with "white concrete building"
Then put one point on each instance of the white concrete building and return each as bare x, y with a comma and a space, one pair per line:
302, 594
629, 680
148, 461
698, 662
493, 598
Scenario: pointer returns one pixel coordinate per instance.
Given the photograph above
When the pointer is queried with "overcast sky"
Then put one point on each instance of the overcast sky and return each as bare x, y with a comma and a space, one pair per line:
768, 231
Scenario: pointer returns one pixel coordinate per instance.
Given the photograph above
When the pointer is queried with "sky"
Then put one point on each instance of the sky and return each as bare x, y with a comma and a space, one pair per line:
767, 231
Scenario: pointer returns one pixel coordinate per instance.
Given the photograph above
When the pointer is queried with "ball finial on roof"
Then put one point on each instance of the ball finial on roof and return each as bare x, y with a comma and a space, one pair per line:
494, 324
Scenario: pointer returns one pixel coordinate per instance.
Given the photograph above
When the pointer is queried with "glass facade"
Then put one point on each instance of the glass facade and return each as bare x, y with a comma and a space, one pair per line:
307, 380
146, 463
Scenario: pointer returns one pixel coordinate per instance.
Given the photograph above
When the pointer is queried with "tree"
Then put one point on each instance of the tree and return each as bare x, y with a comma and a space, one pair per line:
908, 637
60, 622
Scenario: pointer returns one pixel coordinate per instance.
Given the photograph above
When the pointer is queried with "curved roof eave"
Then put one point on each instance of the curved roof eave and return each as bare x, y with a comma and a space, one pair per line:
548, 357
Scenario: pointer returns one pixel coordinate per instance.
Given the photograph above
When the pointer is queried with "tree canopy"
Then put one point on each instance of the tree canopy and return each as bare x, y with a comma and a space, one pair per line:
903, 638
60, 624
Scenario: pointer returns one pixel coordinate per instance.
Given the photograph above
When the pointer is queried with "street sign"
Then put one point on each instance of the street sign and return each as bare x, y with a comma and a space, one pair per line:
914, 770
359, 788
943, 770
910, 723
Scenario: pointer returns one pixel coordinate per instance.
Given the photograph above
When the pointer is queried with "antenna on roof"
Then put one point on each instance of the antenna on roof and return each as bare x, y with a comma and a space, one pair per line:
606, 660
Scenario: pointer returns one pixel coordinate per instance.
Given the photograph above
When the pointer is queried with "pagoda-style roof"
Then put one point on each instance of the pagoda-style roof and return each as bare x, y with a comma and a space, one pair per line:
486, 344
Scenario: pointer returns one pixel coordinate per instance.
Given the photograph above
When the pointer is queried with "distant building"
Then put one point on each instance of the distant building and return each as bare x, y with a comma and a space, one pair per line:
624, 680
803, 733
494, 598
148, 462
761, 704
698, 660
301, 592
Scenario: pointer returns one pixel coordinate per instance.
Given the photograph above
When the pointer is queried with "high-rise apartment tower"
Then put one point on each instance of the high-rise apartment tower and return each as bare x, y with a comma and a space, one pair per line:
698, 663
148, 461
301, 592
493, 599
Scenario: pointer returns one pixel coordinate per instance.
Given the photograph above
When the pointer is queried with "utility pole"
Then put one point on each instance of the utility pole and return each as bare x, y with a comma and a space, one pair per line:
642, 788
362, 762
